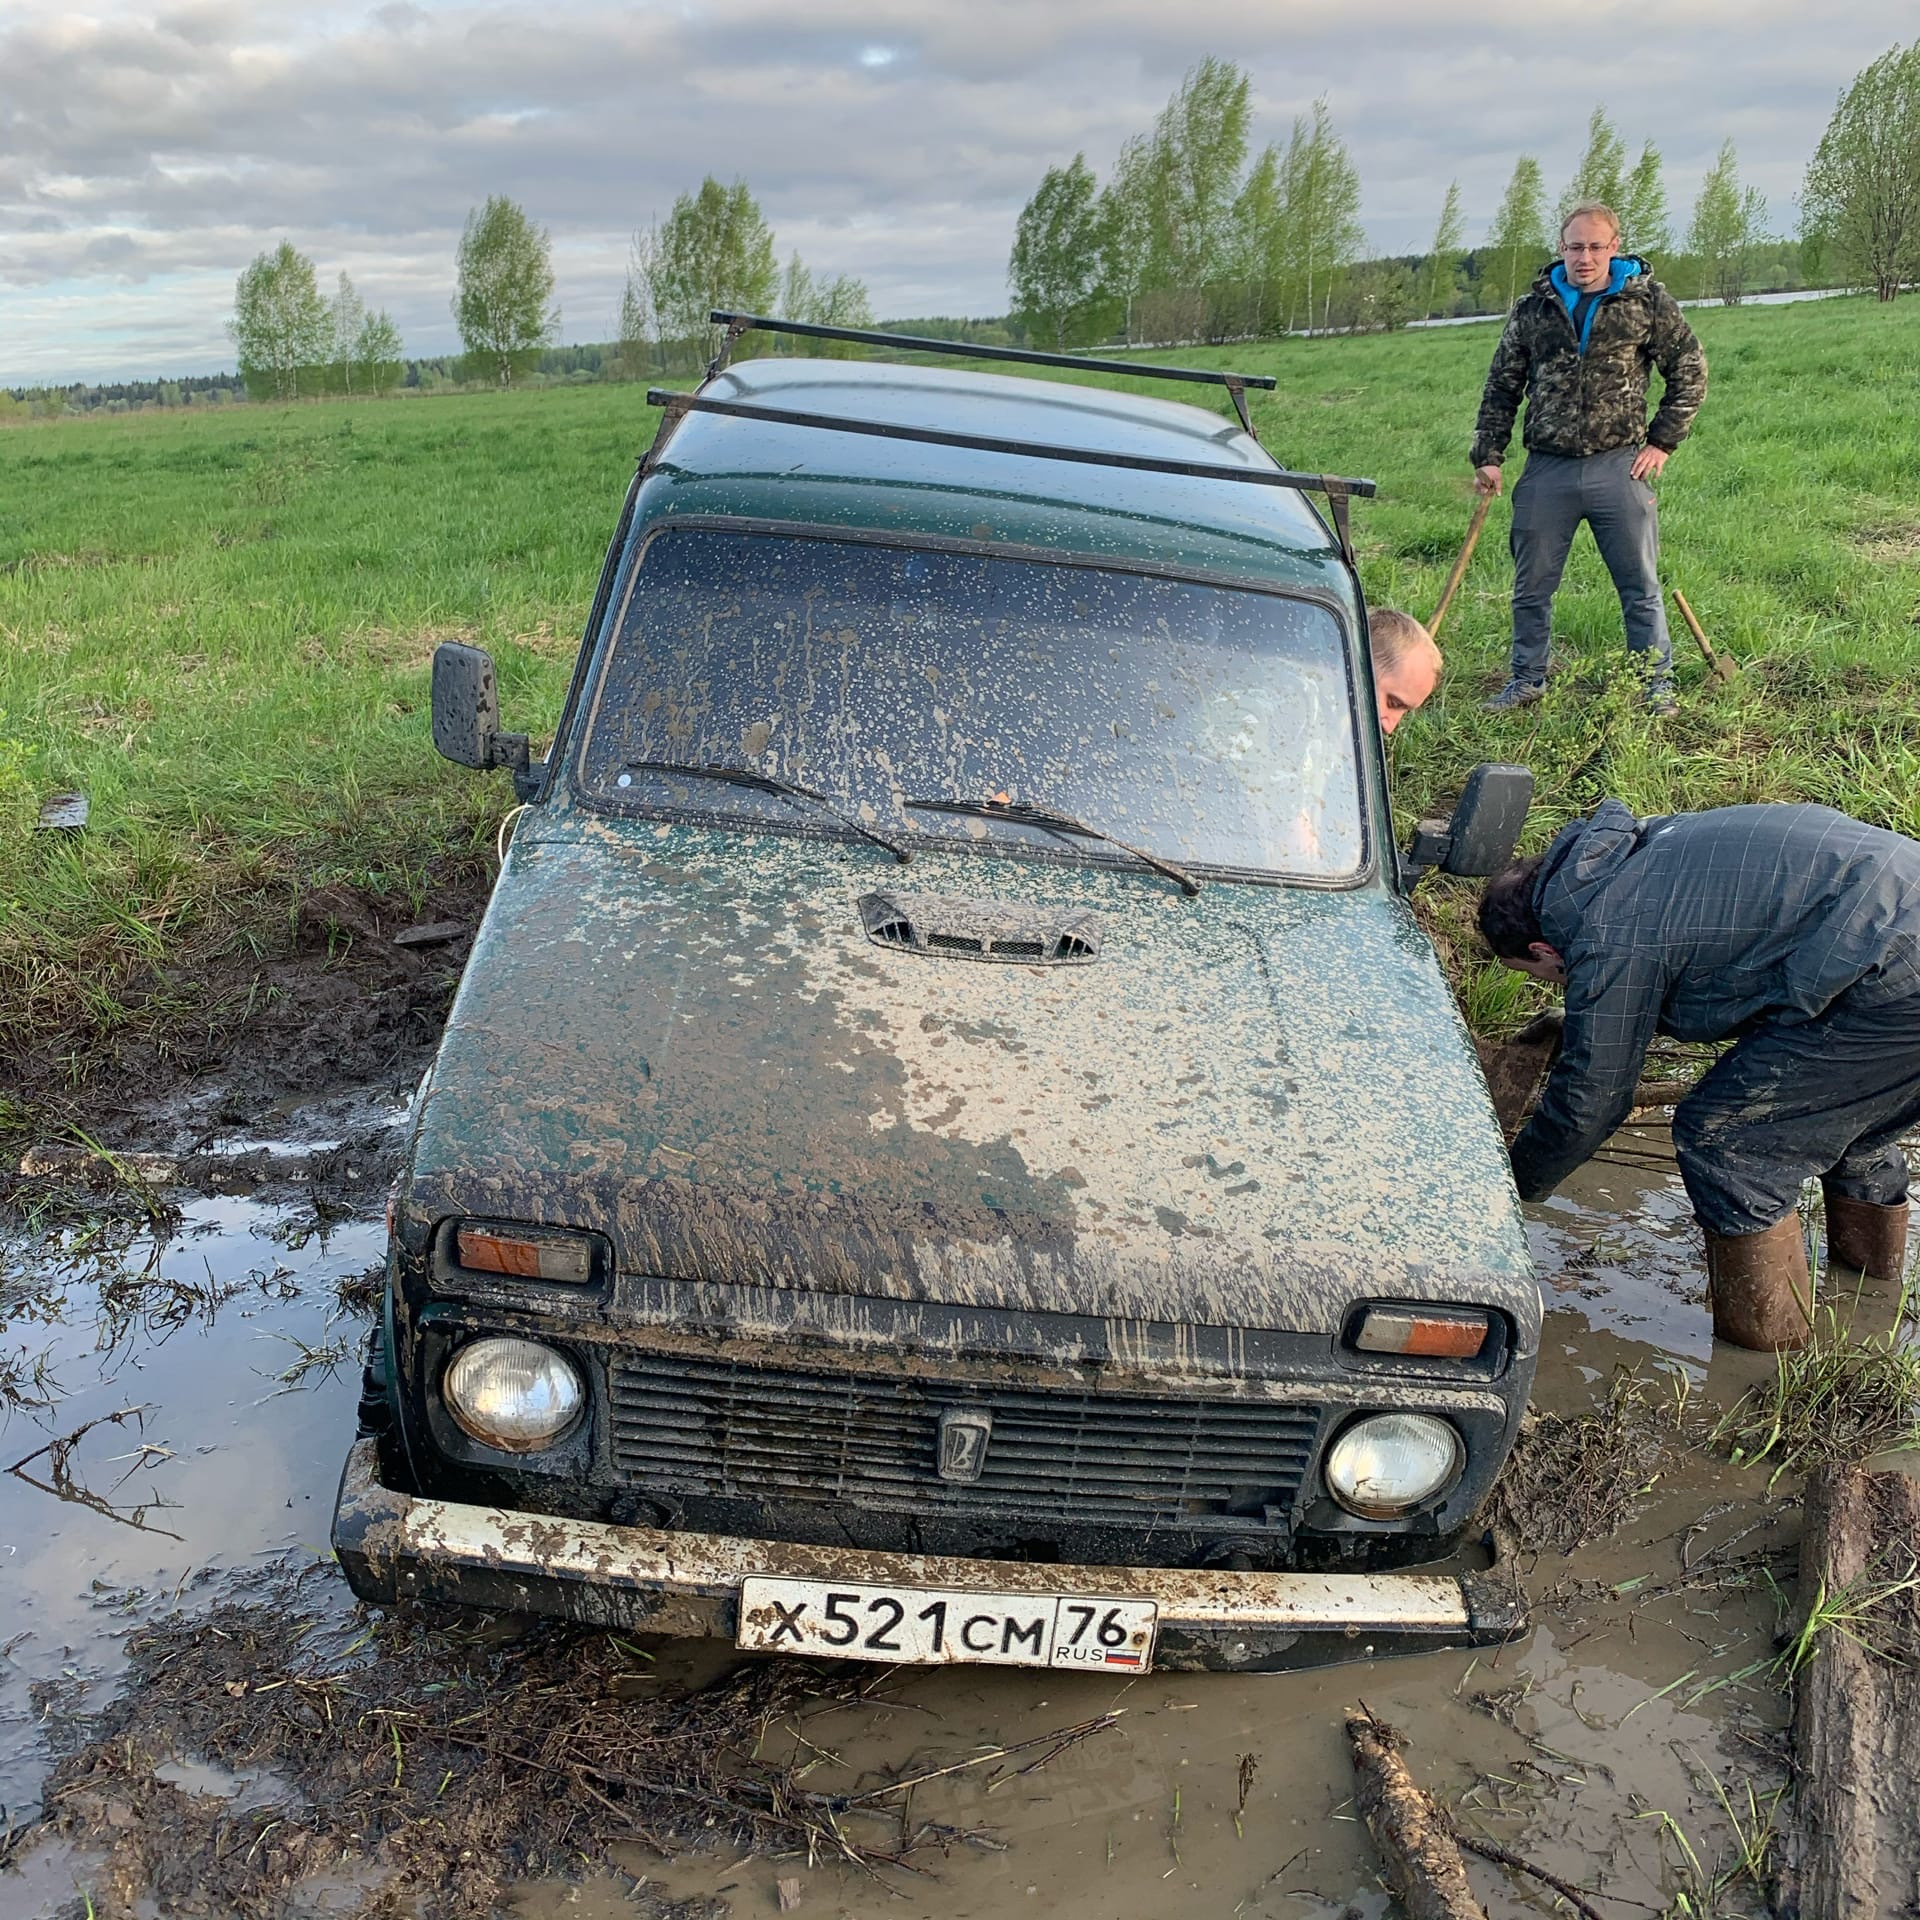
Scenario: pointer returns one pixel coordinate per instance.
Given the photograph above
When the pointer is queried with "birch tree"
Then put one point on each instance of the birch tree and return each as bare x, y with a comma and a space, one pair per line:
1320, 188
1729, 225
1602, 172
348, 314
1054, 270
1125, 221
1444, 259
1861, 200
282, 327
713, 250
1642, 206
376, 357
1518, 238
505, 273
1197, 155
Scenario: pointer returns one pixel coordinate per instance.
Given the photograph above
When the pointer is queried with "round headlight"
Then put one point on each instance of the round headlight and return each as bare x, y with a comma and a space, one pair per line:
513, 1394
1390, 1463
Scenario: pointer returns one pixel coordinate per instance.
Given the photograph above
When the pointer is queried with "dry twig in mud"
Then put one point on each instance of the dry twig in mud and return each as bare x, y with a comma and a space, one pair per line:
359, 1294
1501, 1857
1414, 1836
434, 1773
58, 1454
1569, 1482
326, 1359
27, 1384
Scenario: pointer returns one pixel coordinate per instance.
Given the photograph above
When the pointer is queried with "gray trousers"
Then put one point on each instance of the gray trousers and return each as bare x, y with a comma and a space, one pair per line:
1795, 1101
1553, 496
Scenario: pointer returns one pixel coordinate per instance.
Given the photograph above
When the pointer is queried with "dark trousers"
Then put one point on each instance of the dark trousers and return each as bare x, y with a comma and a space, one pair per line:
1827, 1098
1553, 496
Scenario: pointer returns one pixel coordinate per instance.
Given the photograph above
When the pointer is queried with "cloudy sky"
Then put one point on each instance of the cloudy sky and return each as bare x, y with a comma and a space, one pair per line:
146, 157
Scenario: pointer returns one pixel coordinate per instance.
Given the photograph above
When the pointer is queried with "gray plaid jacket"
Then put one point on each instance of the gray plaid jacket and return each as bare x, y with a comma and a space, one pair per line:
1702, 925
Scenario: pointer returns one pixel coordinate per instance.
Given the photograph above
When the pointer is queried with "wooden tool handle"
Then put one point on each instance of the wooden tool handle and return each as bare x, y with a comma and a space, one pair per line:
1694, 627
1459, 573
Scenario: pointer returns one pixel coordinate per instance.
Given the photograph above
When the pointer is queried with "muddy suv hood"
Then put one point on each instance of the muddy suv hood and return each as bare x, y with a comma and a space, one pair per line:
1255, 1106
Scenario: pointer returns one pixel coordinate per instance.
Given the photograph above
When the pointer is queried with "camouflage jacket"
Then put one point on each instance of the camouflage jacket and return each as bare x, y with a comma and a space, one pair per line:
1581, 404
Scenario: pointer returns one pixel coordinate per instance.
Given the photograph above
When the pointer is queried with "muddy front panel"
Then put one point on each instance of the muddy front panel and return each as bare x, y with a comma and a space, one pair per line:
712, 1427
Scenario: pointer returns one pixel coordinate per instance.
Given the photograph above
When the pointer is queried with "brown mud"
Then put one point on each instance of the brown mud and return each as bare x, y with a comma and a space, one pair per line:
313, 991
176, 1637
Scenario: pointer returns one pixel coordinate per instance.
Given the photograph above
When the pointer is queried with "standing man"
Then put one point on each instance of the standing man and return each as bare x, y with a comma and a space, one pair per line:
1793, 931
1578, 347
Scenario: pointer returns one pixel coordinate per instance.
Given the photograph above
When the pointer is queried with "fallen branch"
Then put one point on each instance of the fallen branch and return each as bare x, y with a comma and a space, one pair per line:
1063, 1738
1414, 1836
58, 1454
1488, 1850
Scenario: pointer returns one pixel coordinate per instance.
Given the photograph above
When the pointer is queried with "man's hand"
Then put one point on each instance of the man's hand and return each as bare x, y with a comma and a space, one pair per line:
1487, 479
1648, 462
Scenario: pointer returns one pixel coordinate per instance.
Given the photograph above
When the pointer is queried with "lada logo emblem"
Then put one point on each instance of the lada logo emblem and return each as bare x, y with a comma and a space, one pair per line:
964, 1433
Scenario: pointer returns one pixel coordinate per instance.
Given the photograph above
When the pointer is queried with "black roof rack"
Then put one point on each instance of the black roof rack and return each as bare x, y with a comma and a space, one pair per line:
1337, 488
736, 324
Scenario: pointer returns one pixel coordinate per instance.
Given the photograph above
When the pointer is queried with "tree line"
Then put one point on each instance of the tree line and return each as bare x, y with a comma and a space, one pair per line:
292, 341
1191, 237
1194, 237
714, 249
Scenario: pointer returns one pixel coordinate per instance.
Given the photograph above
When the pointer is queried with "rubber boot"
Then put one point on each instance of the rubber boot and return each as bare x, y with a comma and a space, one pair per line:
1867, 1236
1759, 1287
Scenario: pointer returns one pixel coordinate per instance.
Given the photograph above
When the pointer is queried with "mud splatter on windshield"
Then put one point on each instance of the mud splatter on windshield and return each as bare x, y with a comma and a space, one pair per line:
1208, 724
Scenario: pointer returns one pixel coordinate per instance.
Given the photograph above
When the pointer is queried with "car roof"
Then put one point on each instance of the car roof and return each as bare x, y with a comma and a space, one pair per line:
811, 478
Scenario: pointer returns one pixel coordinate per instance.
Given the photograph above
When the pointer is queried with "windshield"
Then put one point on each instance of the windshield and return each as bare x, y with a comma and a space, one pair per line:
1211, 725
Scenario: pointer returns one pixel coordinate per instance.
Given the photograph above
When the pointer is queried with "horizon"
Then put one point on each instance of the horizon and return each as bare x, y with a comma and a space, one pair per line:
152, 158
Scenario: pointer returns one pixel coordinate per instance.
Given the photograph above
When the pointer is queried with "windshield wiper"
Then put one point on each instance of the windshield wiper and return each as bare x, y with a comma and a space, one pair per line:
1032, 816
769, 783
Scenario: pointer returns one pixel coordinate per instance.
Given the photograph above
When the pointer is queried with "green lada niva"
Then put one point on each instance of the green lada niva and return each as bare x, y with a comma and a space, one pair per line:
951, 1144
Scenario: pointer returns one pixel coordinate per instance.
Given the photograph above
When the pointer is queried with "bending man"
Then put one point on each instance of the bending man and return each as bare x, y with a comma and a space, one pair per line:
1795, 929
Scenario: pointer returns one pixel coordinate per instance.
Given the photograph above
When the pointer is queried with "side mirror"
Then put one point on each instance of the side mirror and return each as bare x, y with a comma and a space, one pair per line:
1485, 828
466, 712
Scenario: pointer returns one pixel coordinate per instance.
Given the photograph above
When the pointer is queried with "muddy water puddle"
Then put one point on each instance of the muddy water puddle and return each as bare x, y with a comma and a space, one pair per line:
1610, 1745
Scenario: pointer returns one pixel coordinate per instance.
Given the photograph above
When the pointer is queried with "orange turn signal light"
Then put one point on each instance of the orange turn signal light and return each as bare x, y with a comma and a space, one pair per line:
527, 1256
1427, 1335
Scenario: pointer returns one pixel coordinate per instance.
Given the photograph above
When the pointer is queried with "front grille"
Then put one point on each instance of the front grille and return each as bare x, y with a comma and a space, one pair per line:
699, 1426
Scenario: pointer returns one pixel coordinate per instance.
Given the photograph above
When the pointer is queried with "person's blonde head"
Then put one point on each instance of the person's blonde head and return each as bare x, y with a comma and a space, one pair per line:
1407, 665
1592, 210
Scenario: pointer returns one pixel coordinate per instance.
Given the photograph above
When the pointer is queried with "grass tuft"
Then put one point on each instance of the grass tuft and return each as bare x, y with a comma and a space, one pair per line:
1841, 1398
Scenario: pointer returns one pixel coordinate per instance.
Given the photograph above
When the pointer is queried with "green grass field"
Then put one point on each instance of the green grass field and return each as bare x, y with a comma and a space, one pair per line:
219, 625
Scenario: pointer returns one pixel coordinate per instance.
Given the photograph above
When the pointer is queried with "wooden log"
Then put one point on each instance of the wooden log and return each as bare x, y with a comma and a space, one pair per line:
1416, 1842
1854, 1842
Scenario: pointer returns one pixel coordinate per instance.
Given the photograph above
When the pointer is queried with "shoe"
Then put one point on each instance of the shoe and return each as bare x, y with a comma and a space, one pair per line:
1865, 1236
1516, 693
1759, 1288
1661, 704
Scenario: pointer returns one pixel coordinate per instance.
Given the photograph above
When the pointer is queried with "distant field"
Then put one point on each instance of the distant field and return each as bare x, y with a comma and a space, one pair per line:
220, 625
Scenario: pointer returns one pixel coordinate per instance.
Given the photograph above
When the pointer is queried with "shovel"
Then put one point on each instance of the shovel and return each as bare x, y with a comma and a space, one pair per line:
1459, 572
1723, 666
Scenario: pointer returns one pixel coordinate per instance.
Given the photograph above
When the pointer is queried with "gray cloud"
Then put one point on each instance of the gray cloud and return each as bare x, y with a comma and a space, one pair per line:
145, 158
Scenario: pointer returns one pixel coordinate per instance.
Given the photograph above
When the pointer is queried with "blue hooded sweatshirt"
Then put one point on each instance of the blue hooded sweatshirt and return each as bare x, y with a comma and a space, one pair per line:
1581, 307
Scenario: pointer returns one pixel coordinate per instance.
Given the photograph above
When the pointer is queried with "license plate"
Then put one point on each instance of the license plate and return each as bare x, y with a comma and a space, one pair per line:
930, 1626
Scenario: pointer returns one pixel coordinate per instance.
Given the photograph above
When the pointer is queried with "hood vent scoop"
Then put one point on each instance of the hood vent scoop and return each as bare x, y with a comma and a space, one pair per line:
980, 929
